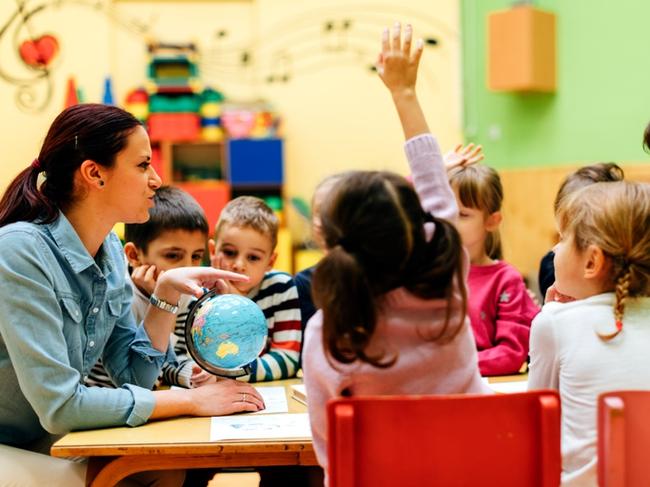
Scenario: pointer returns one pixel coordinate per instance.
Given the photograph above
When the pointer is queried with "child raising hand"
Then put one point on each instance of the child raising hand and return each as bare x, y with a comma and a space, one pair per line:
391, 287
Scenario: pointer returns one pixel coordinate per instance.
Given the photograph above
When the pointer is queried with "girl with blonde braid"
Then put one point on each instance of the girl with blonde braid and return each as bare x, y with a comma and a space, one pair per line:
593, 335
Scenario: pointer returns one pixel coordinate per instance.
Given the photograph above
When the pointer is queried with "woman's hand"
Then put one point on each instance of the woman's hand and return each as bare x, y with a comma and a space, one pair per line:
193, 281
397, 67
463, 156
226, 396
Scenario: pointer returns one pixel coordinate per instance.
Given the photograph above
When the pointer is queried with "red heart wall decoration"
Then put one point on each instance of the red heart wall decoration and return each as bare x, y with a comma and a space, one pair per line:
39, 52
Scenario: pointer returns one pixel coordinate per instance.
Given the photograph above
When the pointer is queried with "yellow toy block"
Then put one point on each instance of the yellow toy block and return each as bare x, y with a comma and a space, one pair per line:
285, 251
306, 258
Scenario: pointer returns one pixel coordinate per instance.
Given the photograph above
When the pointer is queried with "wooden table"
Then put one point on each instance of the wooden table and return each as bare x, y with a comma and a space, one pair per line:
115, 453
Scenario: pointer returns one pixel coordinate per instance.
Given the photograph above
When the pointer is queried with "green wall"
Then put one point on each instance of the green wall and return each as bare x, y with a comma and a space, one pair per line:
602, 102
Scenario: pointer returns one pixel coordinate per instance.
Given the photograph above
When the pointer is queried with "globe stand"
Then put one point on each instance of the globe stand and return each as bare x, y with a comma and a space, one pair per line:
240, 371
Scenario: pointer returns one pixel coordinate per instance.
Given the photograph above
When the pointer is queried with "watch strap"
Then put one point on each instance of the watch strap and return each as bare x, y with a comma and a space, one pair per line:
164, 305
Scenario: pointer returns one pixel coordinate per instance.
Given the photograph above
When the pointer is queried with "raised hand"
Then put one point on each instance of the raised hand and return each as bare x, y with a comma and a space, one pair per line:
463, 156
398, 69
396, 65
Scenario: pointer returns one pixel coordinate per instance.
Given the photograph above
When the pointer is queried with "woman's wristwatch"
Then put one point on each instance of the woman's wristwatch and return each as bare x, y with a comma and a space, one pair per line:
164, 305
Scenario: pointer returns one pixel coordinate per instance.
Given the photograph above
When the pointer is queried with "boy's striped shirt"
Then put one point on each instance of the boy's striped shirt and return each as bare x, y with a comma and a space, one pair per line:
277, 297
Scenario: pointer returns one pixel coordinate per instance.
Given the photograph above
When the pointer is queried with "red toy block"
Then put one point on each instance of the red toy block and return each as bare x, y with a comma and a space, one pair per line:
174, 126
211, 195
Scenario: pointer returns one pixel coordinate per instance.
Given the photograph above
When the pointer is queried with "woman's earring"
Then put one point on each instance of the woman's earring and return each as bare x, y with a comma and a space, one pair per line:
101, 182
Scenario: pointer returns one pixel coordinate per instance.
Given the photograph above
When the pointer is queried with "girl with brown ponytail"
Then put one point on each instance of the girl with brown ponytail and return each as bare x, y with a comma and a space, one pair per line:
596, 338
391, 288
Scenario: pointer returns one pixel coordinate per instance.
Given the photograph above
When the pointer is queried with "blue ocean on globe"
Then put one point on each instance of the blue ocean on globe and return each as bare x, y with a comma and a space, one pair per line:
228, 331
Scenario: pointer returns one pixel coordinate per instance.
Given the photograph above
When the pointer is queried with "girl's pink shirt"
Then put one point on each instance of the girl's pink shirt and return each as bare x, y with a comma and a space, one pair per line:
404, 326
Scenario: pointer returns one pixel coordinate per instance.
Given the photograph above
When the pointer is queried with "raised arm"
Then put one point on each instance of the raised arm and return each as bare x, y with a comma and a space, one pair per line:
398, 69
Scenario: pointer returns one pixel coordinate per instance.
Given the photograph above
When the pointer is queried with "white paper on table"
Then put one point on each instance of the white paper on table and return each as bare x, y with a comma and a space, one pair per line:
507, 387
260, 428
275, 400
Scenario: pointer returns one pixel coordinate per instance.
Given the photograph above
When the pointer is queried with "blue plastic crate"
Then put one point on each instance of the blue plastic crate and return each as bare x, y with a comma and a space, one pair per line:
255, 162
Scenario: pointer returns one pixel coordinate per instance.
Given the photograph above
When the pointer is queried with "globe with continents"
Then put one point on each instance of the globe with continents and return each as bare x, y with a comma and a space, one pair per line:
225, 333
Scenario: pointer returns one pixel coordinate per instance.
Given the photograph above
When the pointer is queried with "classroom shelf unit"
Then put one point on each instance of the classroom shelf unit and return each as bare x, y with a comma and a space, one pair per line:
215, 172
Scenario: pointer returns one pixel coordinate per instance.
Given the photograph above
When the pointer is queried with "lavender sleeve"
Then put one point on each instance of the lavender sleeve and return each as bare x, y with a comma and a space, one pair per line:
430, 177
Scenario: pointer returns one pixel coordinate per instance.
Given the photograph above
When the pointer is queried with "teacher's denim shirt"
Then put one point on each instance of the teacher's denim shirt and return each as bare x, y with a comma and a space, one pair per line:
60, 310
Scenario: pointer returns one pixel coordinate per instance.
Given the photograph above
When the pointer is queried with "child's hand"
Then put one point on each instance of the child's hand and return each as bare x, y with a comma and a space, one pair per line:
200, 377
397, 67
227, 287
145, 277
553, 295
224, 286
463, 156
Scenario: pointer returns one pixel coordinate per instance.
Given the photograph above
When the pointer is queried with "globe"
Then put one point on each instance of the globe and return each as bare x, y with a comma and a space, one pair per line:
225, 333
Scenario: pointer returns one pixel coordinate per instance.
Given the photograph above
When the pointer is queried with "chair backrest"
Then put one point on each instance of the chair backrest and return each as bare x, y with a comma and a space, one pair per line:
624, 438
504, 440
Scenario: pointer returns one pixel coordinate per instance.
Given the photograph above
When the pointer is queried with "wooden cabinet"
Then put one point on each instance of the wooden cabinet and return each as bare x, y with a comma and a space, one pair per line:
521, 50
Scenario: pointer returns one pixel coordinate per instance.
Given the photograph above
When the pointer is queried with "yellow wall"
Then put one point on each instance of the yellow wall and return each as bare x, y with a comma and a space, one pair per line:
336, 113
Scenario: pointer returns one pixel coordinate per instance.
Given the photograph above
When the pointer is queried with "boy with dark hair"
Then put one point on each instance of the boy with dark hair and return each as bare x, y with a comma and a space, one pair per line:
174, 236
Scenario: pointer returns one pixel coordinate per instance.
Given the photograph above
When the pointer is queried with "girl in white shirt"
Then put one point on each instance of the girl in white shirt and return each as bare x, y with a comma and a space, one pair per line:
593, 335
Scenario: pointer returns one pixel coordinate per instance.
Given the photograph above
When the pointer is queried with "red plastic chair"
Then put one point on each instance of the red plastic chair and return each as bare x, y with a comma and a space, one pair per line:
470, 440
624, 438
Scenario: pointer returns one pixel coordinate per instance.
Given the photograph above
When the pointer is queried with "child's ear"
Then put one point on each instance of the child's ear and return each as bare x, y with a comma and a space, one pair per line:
212, 252
596, 263
493, 221
274, 256
133, 254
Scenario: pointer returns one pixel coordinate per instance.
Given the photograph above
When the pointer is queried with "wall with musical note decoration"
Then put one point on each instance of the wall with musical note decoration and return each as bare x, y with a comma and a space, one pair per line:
311, 60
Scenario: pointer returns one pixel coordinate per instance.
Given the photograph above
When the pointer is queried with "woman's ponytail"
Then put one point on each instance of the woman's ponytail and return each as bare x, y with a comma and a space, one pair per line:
23, 201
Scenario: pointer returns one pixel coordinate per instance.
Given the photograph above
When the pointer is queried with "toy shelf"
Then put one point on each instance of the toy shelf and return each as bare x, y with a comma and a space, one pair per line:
190, 161
215, 172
